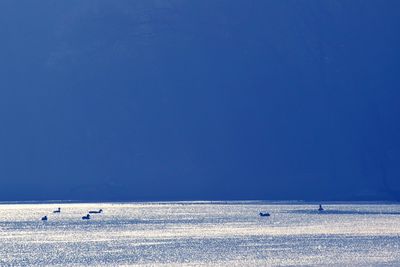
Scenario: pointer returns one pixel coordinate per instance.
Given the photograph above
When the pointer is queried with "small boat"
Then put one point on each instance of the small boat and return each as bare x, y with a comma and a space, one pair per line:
264, 214
96, 211
320, 208
57, 210
44, 218
87, 217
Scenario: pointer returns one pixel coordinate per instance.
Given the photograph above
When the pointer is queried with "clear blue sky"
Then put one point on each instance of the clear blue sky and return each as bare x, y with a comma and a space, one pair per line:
173, 99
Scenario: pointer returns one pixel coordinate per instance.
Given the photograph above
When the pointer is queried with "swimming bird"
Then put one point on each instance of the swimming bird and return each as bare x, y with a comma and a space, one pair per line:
44, 218
87, 217
57, 210
320, 208
264, 214
96, 211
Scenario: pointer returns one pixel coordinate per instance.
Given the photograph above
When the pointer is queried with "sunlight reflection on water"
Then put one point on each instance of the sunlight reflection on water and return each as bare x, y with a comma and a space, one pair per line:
200, 234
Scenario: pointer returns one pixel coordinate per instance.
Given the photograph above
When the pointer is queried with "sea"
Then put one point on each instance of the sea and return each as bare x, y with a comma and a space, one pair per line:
200, 233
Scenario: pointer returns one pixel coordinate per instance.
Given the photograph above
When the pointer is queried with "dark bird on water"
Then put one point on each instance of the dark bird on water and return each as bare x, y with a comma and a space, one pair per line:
57, 210
96, 211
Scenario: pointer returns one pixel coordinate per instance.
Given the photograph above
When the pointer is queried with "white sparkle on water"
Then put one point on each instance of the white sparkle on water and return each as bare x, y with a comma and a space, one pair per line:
200, 233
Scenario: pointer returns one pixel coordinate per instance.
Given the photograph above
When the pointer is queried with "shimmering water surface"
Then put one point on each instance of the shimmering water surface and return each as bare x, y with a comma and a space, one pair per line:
200, 233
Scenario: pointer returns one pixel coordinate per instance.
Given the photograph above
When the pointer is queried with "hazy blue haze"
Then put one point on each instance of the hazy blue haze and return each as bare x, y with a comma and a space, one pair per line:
173, 99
